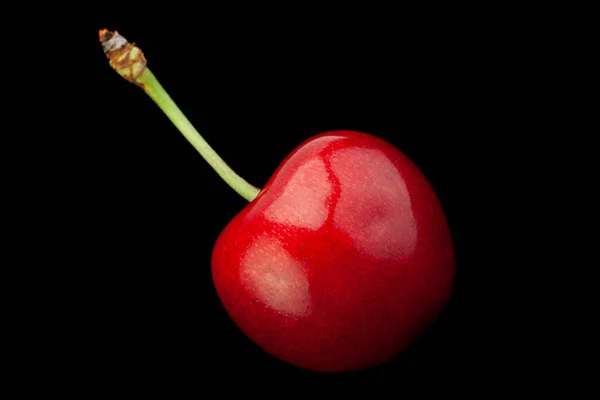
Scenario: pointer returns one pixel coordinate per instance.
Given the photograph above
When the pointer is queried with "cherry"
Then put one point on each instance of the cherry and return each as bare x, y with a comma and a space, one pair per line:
344, 257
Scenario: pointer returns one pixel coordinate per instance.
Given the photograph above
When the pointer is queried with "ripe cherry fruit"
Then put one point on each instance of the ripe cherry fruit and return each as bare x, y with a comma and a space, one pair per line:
341, 260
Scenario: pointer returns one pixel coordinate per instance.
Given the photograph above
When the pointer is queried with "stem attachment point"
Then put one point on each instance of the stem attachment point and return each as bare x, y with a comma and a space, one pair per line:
124, 57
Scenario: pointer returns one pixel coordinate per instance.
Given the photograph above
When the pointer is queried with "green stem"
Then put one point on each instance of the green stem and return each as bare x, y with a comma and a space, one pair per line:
156, 92
129, 61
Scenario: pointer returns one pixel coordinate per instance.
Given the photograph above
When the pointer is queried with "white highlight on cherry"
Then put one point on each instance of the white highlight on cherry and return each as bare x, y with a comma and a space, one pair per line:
275, 278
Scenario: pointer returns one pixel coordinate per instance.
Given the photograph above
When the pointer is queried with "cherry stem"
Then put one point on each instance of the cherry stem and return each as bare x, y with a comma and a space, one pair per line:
129, 61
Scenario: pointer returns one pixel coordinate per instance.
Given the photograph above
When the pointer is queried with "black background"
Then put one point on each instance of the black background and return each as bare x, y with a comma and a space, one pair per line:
144, 209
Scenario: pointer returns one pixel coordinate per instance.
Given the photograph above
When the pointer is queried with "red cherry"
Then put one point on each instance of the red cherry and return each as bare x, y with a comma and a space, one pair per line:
342, 259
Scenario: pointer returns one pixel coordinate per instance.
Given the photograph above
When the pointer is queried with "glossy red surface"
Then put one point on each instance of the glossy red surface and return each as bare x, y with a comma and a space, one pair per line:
342, 260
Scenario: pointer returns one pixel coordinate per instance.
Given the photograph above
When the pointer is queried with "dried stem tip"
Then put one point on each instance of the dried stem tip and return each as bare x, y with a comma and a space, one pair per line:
124, 57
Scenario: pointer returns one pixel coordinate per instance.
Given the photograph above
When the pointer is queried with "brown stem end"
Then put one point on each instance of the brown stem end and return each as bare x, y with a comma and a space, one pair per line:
124, 57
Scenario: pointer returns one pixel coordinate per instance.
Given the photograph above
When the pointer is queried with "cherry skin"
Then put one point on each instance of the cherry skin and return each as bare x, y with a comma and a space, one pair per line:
342, 260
